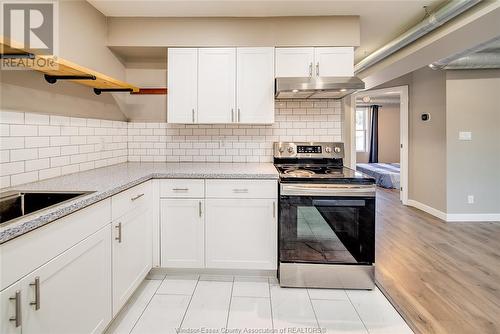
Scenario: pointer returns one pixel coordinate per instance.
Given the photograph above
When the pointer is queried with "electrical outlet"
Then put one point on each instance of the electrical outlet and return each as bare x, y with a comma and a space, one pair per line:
465, 135
470, 199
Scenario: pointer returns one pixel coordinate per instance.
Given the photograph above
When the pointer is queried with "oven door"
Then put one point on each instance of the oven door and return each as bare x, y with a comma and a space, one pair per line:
327, 224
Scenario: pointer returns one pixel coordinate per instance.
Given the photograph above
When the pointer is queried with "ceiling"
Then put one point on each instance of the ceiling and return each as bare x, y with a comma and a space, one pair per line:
381, 21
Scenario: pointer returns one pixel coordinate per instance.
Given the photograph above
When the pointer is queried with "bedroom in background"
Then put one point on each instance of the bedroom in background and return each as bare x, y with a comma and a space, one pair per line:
380, 129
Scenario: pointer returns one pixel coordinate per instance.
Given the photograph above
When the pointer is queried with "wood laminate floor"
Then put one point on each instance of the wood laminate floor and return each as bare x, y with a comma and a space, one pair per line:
442, 277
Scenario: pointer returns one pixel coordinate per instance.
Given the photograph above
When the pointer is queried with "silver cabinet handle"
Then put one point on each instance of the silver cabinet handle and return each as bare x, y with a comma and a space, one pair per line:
119, 228
310, 69
180, 189
317, 69
36, 285
192, 110
199, 209
136, 197
274, 209
17, 318
232, 115
239, 115
240, 191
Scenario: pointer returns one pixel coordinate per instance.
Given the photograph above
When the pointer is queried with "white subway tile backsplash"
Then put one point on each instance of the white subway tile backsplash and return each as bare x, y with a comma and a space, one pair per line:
36, 119
30, 142
10, 143
24, 178
49, 130
11, 117
49, 173
297, 120
23, 154
10, 168
59, 120
35, 146
37, 164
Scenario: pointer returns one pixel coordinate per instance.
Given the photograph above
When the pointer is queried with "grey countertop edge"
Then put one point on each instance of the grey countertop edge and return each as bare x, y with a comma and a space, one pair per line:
65, 209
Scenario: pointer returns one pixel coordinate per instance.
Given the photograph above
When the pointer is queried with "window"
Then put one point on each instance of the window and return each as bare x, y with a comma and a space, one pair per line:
361, 129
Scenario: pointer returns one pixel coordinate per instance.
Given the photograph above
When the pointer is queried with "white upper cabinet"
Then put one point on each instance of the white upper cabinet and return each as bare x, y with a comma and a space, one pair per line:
182, 85
216, 85
334, 62
294, 62
255, 85
315, 62
221, 85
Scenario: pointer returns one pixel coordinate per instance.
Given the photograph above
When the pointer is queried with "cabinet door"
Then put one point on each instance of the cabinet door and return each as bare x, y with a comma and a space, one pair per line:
132, 254
182, 233
216, 85
10, 308
255, 85
71, 293
241, 234
182, 85
294, 62
334, 62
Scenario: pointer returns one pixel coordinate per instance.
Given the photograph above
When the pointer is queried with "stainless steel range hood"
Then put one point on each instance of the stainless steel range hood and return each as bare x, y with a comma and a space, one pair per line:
317, 87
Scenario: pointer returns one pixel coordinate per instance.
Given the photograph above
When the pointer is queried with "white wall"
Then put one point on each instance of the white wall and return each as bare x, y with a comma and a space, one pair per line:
388, 133
82, 40
234, 31
473, 166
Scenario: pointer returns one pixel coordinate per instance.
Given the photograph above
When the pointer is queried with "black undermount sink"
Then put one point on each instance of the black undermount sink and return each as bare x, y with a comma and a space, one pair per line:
16, 204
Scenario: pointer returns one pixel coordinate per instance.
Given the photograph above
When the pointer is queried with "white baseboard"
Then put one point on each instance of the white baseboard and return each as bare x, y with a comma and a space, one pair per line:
430, 210
473, 217
455, 217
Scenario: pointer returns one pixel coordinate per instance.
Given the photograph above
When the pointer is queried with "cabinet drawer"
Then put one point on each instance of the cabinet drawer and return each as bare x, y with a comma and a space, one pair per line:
186, 188
130, 199
242, 189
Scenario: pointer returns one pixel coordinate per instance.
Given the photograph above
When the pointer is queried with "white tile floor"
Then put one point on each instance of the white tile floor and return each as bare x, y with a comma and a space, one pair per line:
212, 304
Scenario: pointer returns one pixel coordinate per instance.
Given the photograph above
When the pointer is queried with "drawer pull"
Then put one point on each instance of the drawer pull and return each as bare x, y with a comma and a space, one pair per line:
136, 197
199, 209
119, 236
240, 191
180, 189
36, 285
17, 318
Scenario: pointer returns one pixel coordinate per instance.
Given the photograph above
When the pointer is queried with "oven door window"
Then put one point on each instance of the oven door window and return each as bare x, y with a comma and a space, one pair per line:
327, 229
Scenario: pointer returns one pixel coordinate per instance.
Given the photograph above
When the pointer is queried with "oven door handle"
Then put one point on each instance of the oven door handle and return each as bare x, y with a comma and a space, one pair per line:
347, 190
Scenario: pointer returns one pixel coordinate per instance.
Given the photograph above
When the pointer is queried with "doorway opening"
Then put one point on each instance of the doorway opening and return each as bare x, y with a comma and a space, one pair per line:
379, 137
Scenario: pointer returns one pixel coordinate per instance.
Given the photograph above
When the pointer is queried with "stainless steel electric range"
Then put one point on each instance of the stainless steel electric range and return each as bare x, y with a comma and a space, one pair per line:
326, 218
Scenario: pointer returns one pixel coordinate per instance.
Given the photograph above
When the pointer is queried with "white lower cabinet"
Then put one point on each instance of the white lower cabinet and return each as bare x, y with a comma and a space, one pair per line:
241, 233
69, 294
132, 254
182, 232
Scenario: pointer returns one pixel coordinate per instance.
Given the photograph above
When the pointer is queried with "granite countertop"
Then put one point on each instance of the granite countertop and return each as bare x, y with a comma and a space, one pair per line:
107, 181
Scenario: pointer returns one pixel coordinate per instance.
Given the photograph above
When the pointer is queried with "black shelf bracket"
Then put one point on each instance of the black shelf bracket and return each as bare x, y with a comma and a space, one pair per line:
98, 91
52, 79
17, 55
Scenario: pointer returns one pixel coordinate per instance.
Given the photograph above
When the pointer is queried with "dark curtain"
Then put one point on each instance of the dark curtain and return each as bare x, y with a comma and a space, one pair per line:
373, 158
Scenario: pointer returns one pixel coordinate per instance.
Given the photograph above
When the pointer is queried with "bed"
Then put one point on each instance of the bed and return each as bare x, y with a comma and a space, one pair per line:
385, 174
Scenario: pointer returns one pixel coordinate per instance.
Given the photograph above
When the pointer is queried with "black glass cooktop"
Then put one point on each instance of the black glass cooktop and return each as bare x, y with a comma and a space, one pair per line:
323, 173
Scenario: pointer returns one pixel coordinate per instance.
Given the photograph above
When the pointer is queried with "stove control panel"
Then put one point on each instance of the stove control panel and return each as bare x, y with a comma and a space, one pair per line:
308, 150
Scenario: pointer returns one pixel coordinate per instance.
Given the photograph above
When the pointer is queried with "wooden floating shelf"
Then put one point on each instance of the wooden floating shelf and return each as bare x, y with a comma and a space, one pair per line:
58, 67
